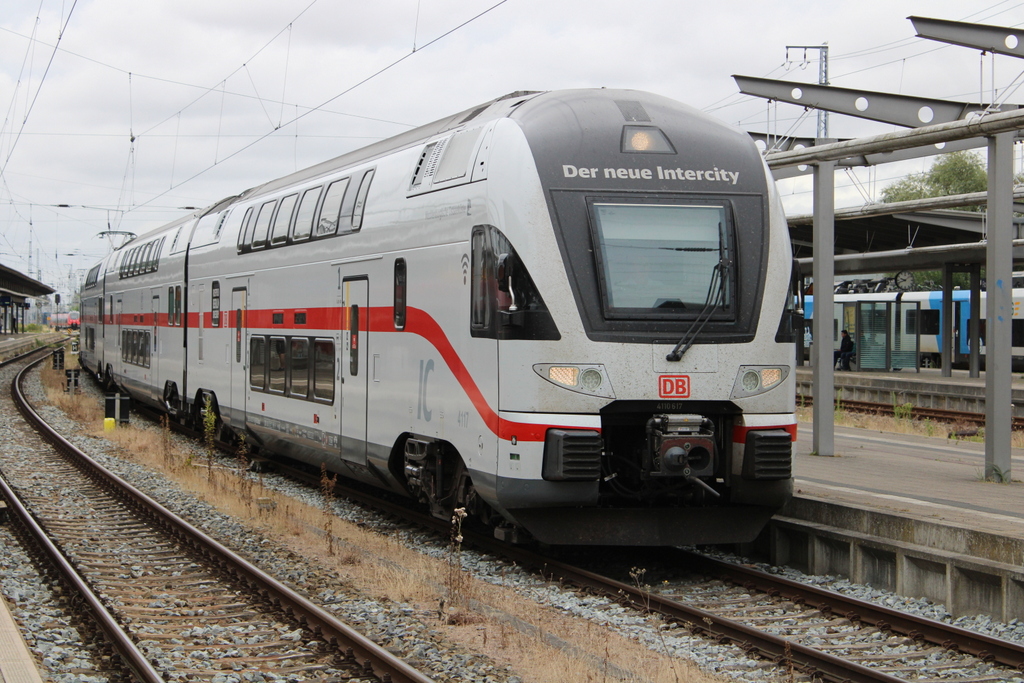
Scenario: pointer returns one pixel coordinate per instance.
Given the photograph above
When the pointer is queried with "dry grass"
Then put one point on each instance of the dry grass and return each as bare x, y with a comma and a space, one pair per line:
538, 643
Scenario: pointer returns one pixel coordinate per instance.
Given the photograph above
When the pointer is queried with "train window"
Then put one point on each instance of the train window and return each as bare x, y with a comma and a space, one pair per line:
1017, 333
284, 219
278, 365
144, 350
663, 260
245, 230
258, 363
353, 344
504, 301
277, 318
307, 212
482, 257
929, 321
156, 253
177, 305
323, 370
360, 207
142, 260
124, 345
170, 305
331, 209
152, 255
299, 318
400, 291
350, 201
298, 379
215, 304
93, 275
260, 232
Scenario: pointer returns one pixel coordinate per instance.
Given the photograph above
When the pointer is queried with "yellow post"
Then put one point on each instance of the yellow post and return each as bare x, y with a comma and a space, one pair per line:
108, 424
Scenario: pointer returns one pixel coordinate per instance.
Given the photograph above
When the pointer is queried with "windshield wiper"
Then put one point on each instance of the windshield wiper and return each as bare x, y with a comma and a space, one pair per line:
716, 292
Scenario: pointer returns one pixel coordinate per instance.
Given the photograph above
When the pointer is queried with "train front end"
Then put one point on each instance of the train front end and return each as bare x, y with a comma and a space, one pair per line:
638, 294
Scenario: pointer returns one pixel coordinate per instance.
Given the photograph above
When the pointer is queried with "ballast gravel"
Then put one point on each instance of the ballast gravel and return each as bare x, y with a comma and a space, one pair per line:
67, 657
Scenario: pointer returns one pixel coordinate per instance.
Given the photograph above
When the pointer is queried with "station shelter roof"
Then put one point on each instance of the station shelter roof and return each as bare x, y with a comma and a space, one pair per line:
920, 240
19, 286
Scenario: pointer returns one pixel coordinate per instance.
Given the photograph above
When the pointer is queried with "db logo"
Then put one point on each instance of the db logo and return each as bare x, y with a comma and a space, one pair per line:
674, 386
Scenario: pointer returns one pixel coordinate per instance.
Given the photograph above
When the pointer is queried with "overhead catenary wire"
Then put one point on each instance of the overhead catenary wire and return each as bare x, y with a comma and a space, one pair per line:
35, 97
344, 92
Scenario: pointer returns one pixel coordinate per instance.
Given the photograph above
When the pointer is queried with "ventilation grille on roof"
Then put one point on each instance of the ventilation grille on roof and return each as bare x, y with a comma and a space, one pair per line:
632, 110
428, 161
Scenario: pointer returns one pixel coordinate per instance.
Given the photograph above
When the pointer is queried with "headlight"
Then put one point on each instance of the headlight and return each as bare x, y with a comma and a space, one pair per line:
583, 379
754, 379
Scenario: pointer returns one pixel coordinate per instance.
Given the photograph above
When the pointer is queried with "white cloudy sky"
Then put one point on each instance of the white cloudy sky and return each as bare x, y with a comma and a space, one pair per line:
221, 95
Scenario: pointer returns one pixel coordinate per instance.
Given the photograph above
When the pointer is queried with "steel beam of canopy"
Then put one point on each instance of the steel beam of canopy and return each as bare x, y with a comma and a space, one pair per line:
979, 126
822, 358
869, 159
999, 39
900, 110
999, 308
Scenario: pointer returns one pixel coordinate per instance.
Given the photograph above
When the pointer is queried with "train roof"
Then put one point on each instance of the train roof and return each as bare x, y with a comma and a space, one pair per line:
709, 138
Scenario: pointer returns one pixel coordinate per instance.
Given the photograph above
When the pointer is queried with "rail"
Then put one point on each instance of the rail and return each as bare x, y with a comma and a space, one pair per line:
384, 664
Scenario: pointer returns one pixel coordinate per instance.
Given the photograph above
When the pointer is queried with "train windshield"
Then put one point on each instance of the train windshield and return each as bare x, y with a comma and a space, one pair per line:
662, 259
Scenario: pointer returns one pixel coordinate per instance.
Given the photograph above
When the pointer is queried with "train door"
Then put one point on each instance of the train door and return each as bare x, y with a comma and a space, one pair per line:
154, 348
239, 362
119, 351
354, 370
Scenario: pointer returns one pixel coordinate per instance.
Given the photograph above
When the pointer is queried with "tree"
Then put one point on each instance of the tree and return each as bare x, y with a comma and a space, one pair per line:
954, 173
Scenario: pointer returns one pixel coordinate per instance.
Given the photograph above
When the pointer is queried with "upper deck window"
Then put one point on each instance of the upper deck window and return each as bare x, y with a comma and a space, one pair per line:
658, 260
260, 232
307, 212
331, 209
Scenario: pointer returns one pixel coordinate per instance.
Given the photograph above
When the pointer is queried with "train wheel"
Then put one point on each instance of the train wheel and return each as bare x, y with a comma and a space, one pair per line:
436, 475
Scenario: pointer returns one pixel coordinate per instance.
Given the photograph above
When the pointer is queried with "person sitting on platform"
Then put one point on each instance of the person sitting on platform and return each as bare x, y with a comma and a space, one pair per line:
845, 352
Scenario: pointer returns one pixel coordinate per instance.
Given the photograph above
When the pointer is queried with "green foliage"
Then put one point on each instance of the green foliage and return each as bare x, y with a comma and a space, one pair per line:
954, 173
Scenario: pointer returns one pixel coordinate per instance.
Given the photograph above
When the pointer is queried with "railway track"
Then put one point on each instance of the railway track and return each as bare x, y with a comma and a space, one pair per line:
821, 635
173, 603
816, 634
952, 417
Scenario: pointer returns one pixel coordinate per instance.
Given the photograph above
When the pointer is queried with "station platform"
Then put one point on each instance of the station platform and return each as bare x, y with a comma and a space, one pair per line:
13, 344
929, 478
17, 664
909, 514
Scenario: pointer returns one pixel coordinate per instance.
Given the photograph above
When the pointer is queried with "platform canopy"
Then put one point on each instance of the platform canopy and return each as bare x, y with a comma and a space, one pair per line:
920, 240
18, 286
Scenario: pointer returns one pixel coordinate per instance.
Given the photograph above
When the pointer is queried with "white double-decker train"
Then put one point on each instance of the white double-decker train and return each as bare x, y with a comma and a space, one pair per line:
567, 312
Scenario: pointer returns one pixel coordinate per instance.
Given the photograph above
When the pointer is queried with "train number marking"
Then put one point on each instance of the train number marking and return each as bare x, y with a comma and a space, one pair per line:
464, 418
674, 386
422, 411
